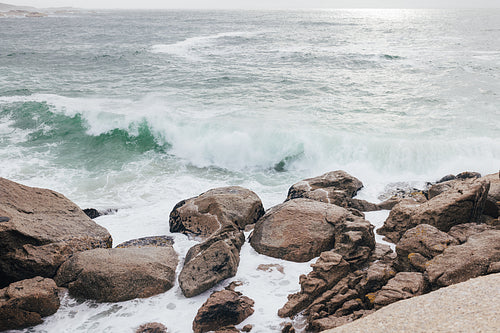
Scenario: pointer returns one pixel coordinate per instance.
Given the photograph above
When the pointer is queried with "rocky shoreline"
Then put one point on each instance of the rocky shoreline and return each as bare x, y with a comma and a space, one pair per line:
445, 234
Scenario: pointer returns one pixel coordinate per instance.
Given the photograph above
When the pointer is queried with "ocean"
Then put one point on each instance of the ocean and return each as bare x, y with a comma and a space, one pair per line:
136, 110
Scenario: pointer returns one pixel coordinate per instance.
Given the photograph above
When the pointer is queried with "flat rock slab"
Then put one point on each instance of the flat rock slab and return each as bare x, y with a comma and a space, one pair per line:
40, 229
470, 306
115, 275
24, 303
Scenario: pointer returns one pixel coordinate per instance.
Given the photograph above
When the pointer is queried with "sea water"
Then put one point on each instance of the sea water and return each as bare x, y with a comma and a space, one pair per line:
137, 110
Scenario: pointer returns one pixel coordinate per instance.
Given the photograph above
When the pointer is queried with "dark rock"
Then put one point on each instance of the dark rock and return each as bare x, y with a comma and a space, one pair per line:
115, 275
223, 308
462, 262
151, 241
328, 270
446, 178
492, 204
152, 328
288, 328
44, 228
247, 328
425, 240
404, 285
468, 175
211, 211
212, 261
227, 329
462, 203
91, 212
24, 303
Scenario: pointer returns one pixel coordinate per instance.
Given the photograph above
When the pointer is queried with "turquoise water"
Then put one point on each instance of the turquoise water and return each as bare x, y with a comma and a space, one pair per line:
139, 110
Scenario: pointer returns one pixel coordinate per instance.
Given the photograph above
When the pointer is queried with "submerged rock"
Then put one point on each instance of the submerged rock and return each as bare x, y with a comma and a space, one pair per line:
152, 328
24, 303
115, 275
212, 261
223, 308
211, 211
40, 229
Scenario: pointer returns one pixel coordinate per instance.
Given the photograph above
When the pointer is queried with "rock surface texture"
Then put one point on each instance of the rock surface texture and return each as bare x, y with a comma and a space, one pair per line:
404, 285
115, 275
39, 230
223, 308
212, 261
463, 202
300, 229
492, 205
209, 212
470, 306
24, 303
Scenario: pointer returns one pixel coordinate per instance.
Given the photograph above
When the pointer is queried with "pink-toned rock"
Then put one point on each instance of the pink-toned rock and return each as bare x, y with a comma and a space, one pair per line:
404, 285
209, 212
39, 230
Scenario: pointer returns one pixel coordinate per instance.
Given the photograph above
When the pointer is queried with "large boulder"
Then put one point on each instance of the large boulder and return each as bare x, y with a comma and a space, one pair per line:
336, 187
209, 212
462, 262
492, 205
39, 230
120, 274
223, 308
24, 303
462, 232
422, 241
212, 261
462, 203
404, 285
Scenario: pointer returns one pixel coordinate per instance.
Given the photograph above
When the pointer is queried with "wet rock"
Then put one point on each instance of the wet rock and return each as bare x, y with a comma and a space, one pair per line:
209, 212
223, 308
40, 230
152, 328
328, 270
322, 186
404, 285
425, 240
212, 261
94, 213
462, 262
462, 203
115, 275
492, 204
151, 241
24, 303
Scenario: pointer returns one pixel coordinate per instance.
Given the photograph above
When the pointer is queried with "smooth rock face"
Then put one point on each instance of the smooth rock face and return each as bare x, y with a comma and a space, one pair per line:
209, 212
404, 285
24, 303
212, 261
115, 275
463, 262
462, 203
425, 240
39, 230
297, 230
223, 308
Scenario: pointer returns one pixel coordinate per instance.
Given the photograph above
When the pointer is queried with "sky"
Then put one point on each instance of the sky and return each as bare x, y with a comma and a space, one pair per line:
257, 4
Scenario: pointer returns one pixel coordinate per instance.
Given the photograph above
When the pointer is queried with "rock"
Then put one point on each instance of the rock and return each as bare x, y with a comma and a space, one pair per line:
470, 306
270, 267
288, 328
492, 204
446, 178
404, 285
297, 230
151, 241
24, 303
227, 329
462, 203
336, 187
152, 328
425, 240
468, 175
300, 229
325, 185
328, 270
247, 328
462, 232
210, 211
40, 230
442, 187
494, 267
115, 275
462, 262
92, 212
225, 307
212, 261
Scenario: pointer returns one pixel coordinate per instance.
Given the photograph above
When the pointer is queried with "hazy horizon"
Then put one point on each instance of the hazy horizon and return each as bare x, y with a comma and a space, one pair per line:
253, 4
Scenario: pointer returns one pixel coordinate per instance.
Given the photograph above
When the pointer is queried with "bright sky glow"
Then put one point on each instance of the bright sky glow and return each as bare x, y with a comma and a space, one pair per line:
256, 4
